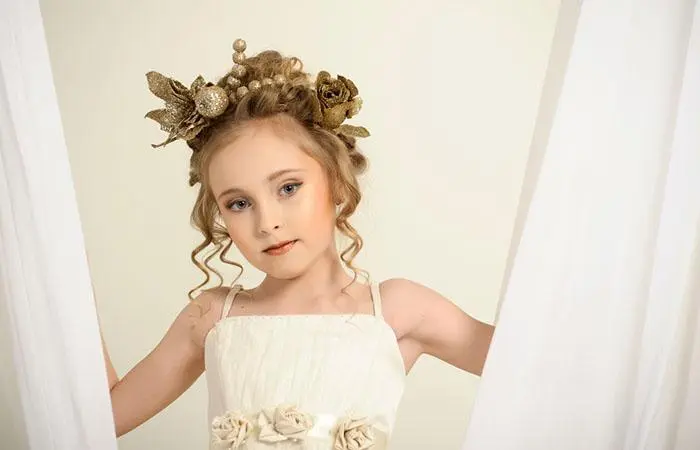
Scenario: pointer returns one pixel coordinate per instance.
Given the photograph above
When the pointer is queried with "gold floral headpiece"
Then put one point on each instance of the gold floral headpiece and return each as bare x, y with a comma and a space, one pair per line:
188, 111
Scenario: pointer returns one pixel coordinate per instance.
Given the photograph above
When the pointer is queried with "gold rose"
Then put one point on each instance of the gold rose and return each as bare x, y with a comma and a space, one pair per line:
338, 100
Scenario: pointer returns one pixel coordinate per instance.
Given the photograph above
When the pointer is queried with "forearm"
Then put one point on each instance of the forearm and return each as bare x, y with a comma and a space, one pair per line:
153, 384
112, 376
474, 357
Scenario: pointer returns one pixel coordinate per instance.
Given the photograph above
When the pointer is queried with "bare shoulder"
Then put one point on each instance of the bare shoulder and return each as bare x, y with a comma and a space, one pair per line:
201, 314
406, 294
427, 322
405, 302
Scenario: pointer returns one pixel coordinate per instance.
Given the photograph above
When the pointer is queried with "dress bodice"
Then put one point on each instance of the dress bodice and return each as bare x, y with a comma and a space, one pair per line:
303, 381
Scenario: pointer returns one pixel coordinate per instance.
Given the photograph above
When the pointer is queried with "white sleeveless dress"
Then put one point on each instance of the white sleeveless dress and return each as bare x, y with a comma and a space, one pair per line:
312, 382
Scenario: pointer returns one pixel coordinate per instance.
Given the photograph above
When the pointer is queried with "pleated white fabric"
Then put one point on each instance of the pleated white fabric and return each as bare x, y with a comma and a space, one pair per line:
49, 314
597, 344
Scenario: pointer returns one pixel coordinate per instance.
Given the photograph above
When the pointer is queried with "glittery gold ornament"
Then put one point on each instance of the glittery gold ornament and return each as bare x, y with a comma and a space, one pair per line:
239, 45
279, 79
179, 117
238, 58
211, 101
241, 92
238, 71
233, 82
189, 110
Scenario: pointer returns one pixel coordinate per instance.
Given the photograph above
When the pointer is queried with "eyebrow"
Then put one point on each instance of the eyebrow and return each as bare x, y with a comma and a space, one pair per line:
272, 177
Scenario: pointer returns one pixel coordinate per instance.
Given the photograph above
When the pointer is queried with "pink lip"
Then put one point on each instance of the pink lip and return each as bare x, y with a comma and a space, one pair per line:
281, 248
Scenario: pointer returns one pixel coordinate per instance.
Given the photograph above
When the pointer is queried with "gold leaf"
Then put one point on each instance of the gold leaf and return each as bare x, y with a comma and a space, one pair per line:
192, 132
159, 115
350, 130
158, 84
197, 84
334, 117
180, 90
164, 117
171, 138
161, 87
355, 107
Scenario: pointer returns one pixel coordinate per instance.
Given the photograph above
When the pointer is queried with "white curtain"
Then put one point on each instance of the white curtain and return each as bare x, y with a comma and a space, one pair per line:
45, 291
597, 344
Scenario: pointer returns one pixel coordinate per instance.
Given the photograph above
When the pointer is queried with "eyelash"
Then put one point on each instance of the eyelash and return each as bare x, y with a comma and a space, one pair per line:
230, 206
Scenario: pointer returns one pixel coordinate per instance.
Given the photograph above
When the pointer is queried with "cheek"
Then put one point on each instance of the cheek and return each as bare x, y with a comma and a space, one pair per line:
312, 212
238, 229
321, 209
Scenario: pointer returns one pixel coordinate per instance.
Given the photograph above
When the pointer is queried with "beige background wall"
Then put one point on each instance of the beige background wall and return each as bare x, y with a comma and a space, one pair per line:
451, 90
12, 425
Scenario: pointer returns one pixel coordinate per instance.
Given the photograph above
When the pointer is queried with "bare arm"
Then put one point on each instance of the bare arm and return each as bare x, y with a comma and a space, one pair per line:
112, 377
437, 327
168, 371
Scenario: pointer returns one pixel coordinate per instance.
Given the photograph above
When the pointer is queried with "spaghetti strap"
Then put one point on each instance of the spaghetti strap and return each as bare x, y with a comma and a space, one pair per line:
229, 300
376, 299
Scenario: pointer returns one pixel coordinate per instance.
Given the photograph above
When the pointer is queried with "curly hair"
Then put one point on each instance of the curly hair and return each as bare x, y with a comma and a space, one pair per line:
289, 110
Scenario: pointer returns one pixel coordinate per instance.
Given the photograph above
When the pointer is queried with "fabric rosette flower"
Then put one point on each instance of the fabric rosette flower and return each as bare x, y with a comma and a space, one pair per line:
285, 422
354, 433
230, 431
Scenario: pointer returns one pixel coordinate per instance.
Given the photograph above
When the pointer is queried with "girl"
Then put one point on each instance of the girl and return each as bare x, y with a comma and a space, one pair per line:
313, 357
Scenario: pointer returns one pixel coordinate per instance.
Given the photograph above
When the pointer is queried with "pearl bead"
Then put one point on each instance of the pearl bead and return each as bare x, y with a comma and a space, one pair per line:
241, 92
254, 85
238, 58
280, 79
239, 45
238, 71
233, 82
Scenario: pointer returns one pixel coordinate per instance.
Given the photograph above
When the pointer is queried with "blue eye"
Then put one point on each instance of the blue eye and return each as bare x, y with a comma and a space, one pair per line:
238, 205
290, 189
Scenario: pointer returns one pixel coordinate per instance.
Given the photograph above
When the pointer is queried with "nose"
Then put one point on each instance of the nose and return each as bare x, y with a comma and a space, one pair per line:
269, 218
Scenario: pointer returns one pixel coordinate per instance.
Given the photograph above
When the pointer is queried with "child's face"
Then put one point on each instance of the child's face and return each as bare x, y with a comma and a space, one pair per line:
270, 192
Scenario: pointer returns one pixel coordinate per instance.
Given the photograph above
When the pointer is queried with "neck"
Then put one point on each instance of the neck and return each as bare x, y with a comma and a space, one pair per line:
326, 276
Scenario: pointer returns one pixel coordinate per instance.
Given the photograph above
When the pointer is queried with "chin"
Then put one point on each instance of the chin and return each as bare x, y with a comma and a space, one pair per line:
283, 270
285, 273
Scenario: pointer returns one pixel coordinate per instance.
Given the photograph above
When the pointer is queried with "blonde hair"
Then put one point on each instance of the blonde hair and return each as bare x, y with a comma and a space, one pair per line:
289, 110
